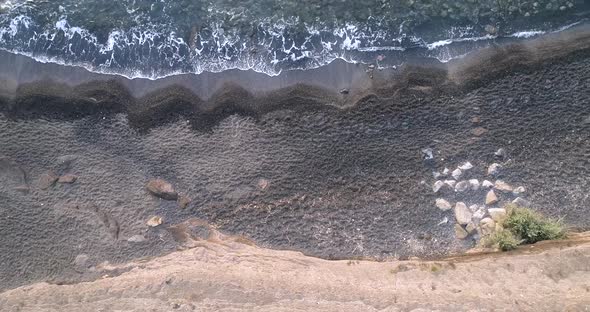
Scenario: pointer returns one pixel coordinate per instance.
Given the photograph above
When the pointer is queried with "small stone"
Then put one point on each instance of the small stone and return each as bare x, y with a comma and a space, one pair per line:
462, 213
344, 91
503, 186
497, 214
487, 225
479, 131
154, 221
162, 189
501, 153
183, 202
68, 178
460, 233
521, 202
437, 186
427, 153
475, 120
474, 184
491, 198
443, 205
473, 208
450, 183
47, 180
446, 171
136, 239
457, 173
519, 190
466, 166
462, 186
494, 169
487, 184
445, 220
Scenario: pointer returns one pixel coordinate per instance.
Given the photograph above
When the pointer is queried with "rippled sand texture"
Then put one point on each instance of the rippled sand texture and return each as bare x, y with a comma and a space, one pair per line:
291, 171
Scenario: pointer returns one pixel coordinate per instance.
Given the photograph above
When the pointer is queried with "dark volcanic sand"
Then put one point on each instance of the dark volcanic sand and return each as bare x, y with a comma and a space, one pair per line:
341, 183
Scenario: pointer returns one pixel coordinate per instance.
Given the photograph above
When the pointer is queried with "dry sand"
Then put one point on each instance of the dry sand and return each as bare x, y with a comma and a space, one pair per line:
226, 275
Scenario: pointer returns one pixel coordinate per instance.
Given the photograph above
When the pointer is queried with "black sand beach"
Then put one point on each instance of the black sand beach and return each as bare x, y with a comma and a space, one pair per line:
297, 164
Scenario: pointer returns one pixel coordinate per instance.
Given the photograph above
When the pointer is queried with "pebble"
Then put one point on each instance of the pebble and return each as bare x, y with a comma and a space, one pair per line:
443, 204
494, 169
491, 198
487, 184
462, 186
501, 153
503, 186
437, 186
457, 173
462, 213
154, 221
427, 153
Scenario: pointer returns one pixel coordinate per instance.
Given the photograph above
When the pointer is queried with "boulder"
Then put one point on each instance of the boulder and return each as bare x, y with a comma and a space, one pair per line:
462, 213
497, 214
68, 178
503, 186
491, 198
443, 205
460, 232
437, 186
487, 226
462, 186
47, 180
494, 169
162, 189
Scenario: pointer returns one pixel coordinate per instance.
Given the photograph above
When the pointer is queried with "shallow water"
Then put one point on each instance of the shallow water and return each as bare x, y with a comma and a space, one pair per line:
149, 38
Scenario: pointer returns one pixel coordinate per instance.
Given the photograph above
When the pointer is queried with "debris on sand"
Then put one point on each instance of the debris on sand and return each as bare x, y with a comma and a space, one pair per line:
47, 180
68, 178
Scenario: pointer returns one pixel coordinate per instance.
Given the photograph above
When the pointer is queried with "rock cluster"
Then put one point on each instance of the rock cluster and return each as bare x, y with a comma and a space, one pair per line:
476, 205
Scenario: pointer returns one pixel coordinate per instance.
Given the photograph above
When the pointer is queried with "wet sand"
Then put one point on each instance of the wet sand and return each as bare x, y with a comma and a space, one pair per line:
333, 175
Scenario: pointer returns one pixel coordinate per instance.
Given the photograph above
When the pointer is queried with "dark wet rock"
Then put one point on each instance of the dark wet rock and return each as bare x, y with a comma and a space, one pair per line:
162, 189
183, 202
12, 175
68, 178
47, 180
521, 202
462, 213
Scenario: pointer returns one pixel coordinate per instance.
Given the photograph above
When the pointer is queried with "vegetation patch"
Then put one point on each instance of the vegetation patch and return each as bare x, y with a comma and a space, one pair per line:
524, 226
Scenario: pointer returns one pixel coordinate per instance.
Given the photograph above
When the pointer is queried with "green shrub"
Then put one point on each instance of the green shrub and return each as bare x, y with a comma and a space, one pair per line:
503, 239
531, 226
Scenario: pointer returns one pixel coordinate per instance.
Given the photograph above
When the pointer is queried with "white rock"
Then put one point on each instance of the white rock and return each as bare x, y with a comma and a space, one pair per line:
437, 186
462, 186
457, 173
474, 184
446, 171
427, 153
503, 186
497, 214
443, 205
487, 184
491, 198
519, 190
450, 183
460, 233
479, 214
466, 166
494, 169
473, 208
445, 220
462, 213
436, 174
